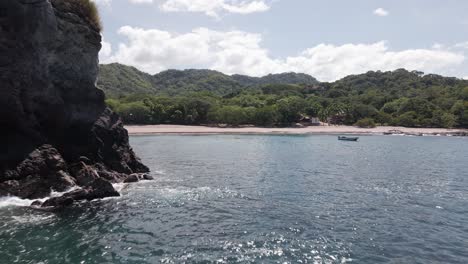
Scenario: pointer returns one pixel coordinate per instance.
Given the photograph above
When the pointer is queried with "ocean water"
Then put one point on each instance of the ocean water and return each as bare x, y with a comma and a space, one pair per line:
264, 199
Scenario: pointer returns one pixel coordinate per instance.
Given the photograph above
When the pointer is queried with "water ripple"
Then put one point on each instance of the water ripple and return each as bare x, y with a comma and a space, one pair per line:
264, 199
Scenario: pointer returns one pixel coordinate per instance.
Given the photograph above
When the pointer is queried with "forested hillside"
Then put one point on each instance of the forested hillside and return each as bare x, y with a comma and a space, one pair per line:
283, 78
117, 79
400, 97
120, 80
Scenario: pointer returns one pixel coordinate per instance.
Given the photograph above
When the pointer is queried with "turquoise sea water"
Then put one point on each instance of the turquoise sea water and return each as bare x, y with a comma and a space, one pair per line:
264, 199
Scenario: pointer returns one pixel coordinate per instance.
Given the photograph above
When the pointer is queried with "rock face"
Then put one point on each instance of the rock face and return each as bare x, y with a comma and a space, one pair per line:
55, 129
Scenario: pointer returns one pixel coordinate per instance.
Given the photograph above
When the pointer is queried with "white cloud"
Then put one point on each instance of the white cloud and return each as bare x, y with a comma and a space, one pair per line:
105, 52
329, 62
214, 7
465, 78
232, 52
247, 7
381, 12
241, 52
211, 8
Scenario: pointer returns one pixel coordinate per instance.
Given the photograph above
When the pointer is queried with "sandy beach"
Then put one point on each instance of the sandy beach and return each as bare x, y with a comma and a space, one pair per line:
334, 130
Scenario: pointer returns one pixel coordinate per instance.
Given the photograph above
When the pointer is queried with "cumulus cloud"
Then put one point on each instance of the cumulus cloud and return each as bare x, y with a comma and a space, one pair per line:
246, 7
330, 62
156, 50
214, 7
381, 12
211, 8
105, 52
240, 52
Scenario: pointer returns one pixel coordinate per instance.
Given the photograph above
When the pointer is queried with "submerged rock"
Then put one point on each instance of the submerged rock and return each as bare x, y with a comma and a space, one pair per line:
132, 178
98, 189
56, 202
147, 177
57, 132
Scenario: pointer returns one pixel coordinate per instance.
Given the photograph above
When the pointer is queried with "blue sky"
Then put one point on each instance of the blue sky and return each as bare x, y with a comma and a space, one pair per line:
327, 39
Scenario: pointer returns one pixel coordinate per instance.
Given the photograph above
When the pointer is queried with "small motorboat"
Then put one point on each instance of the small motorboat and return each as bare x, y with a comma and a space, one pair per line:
348, 138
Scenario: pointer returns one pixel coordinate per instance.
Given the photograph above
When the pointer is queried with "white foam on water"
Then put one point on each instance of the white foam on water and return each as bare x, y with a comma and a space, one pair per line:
10, 201
58, 194
13, 201
31, 219
176, 194
119, 186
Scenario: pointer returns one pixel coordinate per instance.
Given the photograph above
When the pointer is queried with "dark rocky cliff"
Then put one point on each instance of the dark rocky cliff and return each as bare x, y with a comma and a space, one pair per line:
55, 130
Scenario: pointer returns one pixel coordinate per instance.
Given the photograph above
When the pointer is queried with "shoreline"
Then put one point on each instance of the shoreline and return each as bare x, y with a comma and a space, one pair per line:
141, 130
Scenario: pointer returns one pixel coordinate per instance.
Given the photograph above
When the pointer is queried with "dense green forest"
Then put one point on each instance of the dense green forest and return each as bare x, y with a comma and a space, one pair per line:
120, 80
400, 97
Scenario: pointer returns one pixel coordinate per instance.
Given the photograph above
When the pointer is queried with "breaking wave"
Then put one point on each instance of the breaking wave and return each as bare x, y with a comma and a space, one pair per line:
13, 201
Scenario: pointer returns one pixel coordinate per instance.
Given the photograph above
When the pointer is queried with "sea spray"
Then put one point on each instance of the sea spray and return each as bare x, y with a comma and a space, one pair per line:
13, 201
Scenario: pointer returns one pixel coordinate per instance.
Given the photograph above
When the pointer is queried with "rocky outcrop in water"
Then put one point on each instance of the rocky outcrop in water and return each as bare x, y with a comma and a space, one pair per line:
55, 129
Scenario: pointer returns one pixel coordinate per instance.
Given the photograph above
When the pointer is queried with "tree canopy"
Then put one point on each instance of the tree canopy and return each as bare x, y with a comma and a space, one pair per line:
398, 97
121, 80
